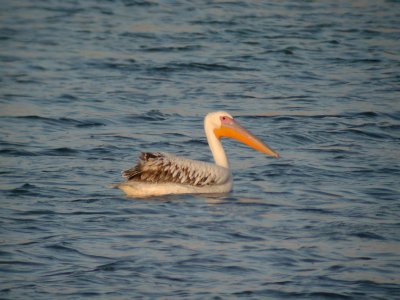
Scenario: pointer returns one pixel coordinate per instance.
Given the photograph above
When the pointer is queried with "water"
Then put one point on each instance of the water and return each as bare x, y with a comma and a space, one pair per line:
86, 85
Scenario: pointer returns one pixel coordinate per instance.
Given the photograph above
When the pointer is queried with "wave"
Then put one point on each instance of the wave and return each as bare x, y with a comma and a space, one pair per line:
345, 115
150, 116
16, 152
63, 121
176, 67
26, 189
62, 151
187, 48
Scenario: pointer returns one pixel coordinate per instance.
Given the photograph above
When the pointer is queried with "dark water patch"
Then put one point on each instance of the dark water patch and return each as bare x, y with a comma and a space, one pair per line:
354, 61
235, 270
175, 279
347, 115
140, 211
64, 10
100, 152
155, 146
356, 115
5, 254
16, 152
249, 203
197, 142
68, 97
24, 79
315, 210
327, 295
139, 3
60, 122
113, 64
281, 283
392, 127
38, 212
370, 285
367, 125
395, 115
140, 236
332, 149
7, 33
18, 268
20, 263
366, 114
67, 251
243, 32
383, 193
89, 124
333, 42
6, 173
239, 96
8, 59
368, 235
211, 67
115, 266
138, 35
302, 139
336, 268
298, 173
203, 262
246, 237
211, 22
153, 115
368, 134
26, 189
269, 293
324, 193
283, 118
88, 213
287, 51
392, 170
186, 48
11, 96
175, 135
154, 78
62, 151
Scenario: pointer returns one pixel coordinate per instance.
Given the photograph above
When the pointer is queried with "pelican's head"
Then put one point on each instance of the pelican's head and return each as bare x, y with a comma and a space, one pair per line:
224, 125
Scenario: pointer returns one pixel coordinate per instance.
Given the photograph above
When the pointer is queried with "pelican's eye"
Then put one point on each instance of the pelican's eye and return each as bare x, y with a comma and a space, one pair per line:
225, 119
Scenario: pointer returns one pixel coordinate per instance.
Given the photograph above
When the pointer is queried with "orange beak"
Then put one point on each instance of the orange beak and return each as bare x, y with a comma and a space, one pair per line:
231, 129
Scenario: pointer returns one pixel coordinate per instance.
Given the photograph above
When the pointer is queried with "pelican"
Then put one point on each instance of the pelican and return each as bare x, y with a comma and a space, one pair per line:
159, 173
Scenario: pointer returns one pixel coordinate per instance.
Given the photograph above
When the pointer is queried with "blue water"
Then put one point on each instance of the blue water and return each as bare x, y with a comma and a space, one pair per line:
86, 85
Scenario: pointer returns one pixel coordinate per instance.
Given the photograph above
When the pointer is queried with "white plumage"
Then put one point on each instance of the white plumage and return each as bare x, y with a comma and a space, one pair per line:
163, 173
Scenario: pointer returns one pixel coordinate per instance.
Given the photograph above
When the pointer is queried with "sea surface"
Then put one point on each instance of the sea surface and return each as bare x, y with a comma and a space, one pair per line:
86, 85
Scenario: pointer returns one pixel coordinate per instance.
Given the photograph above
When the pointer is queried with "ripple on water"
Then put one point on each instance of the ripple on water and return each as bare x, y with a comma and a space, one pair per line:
62, 122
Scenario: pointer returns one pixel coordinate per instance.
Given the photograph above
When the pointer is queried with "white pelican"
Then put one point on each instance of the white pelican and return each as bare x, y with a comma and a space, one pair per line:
161, 173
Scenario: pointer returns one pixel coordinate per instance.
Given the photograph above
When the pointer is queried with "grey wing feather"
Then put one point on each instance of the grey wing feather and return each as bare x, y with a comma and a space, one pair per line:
158, 167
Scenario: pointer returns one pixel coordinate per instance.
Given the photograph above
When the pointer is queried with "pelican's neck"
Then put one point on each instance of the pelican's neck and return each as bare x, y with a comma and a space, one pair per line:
216, 147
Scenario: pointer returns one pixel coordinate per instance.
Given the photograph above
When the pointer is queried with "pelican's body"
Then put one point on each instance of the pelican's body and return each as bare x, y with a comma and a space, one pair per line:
161, 173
